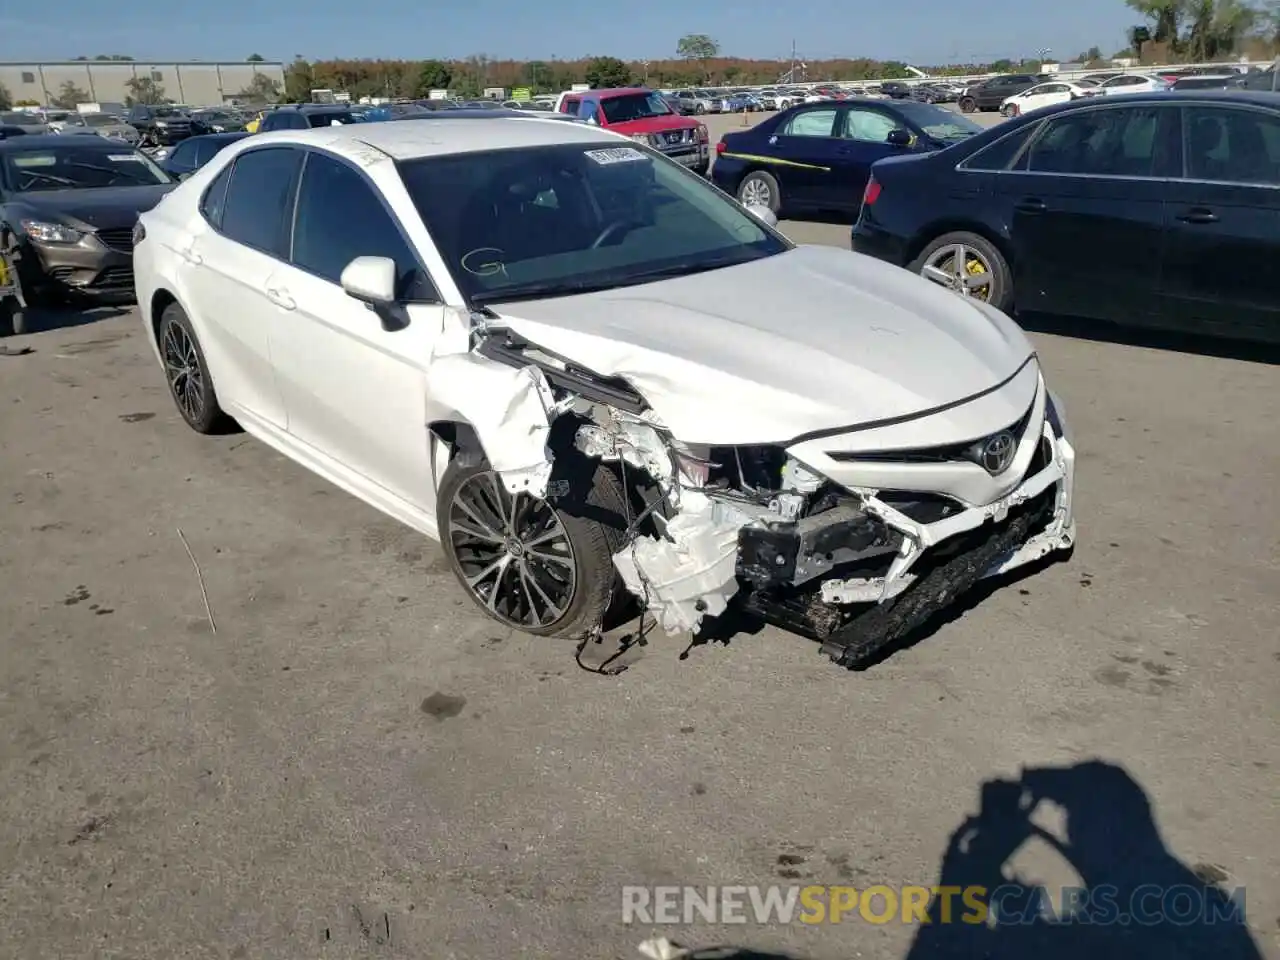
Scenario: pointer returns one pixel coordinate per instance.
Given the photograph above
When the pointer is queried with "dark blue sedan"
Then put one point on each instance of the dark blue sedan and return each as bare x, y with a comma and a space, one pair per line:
816, 157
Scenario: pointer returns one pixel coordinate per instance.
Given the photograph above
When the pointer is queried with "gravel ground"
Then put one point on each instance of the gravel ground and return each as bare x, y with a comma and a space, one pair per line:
355, 764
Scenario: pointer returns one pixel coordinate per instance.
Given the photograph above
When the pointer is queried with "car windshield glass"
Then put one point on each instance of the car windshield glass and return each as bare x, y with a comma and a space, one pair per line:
19, 119
936, 122
634, 106
571, 218
72, 167
98, 120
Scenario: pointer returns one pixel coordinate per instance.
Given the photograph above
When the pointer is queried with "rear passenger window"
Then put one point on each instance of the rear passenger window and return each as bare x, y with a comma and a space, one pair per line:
260, 198
215, 197
811, 123
1232, 146
1114, 142
340, 218
999, 155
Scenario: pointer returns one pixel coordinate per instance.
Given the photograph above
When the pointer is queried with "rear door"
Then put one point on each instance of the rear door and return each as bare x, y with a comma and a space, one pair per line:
1087, 211
1224, 224
806, 147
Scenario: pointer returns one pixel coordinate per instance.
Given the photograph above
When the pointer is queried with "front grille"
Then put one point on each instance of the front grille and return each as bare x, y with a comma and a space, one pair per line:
952, 453
114, 278
119, 239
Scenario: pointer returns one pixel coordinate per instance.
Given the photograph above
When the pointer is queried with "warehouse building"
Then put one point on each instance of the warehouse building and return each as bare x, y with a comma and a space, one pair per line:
198, 83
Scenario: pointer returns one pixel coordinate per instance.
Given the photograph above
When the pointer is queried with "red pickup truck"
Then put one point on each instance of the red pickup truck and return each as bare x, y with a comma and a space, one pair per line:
643, 115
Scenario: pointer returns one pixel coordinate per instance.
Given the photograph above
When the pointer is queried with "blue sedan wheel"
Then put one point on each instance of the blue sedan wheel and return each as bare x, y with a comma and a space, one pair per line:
760, 189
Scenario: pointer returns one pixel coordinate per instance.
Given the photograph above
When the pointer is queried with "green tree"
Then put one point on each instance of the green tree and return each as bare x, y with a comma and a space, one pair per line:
433, 75
605, 72
697, 48
1218, 26
144, 90
69, 95
261, 89
1165, 17
255, 58
6, 99
537, 75
299, 81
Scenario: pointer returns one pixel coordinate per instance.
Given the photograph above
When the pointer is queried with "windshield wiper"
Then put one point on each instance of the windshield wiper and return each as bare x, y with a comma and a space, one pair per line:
683, 270
539, 291
51, 178
114, 171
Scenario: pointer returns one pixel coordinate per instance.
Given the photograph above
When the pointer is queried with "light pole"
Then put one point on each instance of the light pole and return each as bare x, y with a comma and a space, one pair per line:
645, 65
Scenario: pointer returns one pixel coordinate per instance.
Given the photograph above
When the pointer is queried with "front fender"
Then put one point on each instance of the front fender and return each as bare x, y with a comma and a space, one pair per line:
509, 409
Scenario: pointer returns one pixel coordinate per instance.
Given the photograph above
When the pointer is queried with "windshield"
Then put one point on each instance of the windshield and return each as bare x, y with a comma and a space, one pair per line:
936, 122
74, 167
570, 218
634, 106
19, 119
99, 120
328, 119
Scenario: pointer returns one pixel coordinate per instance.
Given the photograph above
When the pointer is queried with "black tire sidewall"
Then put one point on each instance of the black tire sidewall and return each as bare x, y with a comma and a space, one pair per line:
211, 416
968, 105
593, 490
1002, 277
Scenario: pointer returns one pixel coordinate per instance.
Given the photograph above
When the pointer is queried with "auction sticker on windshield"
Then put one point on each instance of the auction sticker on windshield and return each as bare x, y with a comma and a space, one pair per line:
34, 160
616, 155
123, 156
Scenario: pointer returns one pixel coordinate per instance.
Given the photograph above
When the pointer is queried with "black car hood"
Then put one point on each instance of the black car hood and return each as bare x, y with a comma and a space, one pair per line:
99, 208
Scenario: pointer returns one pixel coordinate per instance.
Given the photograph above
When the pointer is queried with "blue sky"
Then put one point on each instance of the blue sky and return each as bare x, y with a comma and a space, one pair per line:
920, 31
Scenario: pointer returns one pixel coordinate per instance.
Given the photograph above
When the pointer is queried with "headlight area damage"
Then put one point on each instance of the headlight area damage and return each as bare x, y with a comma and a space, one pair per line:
856, 567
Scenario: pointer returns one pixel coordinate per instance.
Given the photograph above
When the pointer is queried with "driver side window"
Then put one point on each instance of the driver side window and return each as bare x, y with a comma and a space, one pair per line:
339, 218
868, 126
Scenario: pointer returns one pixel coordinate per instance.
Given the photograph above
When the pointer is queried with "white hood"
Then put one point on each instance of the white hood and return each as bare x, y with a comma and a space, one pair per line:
813, 339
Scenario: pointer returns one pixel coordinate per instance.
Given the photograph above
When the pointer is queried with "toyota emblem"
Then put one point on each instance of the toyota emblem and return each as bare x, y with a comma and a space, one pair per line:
997, 452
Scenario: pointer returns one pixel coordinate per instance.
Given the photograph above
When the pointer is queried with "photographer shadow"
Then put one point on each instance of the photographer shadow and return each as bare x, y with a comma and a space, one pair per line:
1126, 871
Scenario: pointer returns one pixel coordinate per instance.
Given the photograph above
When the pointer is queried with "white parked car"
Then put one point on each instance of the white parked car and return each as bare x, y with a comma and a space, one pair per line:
1044, 95
1132, 83
586, 372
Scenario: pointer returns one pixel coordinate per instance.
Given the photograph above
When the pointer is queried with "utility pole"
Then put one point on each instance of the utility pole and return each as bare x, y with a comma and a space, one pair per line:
792, 77
645, 64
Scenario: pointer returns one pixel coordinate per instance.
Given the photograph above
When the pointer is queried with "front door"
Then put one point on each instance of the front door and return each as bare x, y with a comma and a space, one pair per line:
241, 241
864, 133
805, 146
1224, 224
1086, 212
354, 389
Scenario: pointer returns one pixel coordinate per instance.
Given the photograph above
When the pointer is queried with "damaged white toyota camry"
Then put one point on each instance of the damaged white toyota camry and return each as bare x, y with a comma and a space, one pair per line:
602, 384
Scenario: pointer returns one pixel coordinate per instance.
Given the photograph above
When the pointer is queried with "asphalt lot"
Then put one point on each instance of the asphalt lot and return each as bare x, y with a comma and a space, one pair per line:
355, 764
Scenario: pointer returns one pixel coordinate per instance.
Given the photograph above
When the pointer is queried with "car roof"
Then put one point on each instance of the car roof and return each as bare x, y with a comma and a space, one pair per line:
417, 137
36, 141
610, 92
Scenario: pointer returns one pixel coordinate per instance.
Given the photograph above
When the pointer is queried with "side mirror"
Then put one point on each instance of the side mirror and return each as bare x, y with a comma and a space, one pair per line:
371, 280
762, 213
898, 138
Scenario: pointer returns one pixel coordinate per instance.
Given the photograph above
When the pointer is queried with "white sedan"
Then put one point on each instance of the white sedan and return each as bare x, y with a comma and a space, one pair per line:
588, 373
1132, 83
1044, 95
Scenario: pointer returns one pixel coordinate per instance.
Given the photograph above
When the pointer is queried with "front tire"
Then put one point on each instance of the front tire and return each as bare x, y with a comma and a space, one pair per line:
187, 372
968, 105
540, 565
969, 265
759, 187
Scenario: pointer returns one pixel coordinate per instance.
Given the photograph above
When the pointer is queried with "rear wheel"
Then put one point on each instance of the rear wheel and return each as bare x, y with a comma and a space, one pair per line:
187, 372
967, 264
535, 564
968, 105
1009, 110
760, 188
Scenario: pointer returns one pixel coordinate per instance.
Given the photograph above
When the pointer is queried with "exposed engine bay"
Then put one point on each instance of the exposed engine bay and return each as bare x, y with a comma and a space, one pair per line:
754, 524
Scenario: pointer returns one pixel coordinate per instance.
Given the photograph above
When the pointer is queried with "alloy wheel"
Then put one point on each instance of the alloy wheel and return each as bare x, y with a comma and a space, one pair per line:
756, 192
186, 377
514, 553
961, 269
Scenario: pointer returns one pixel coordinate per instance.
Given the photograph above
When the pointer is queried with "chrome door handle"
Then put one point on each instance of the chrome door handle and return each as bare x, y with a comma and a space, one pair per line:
281, 298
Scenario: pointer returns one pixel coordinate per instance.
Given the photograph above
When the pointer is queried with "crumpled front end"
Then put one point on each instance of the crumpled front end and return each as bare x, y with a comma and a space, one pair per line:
851, 537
